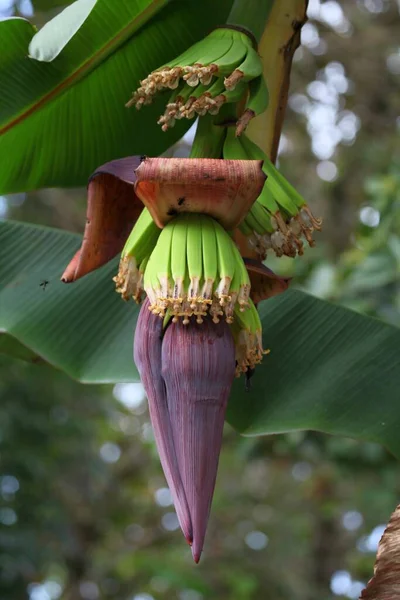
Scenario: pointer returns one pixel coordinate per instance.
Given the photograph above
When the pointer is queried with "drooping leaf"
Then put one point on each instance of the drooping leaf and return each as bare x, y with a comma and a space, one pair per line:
330, 369
60, 119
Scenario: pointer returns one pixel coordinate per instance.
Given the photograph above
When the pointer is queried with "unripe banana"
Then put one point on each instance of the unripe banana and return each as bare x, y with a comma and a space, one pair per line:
294, 217
247, 333
259, 219
278, 191
191, 270
210, 260
249, 69
256, 104
175, 107
195, 268
139, 245
157, 277
228, 63
187, 109
220, 55
140, 289
178, 263
162, 258
213, 49
252, 222
234, 293
226, 263
152, 284
243, 296
207, 101
245, 228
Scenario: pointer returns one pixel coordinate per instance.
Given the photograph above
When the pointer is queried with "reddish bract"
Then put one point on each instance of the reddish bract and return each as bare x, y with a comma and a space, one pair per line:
223, 189
187, 373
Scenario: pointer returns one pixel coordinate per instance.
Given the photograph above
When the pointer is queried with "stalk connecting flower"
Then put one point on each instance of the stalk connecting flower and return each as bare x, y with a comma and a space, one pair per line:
223, 68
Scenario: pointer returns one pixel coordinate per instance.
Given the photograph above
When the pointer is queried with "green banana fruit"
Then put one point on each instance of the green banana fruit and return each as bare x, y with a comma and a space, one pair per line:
138, 247
224, 63
291, 217
256, 104
162, 262
179, 267
247, 332
249, 69
257, 225
195, 267
175, 105
192, 267
191, 271
210, 263
226, 263
228, 63
206, 102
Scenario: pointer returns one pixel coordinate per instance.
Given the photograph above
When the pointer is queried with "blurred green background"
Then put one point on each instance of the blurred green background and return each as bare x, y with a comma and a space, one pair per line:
84, 508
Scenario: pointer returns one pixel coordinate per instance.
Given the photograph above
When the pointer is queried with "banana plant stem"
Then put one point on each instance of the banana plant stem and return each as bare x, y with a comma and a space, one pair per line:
209, 139
251, 14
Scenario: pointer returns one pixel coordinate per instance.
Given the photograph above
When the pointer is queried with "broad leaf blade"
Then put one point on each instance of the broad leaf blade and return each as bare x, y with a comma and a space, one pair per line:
330, 369
61, 323
14, 348
15, 35
60, 120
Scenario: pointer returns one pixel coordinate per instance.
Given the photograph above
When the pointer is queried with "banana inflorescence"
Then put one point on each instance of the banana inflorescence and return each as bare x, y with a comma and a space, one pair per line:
280, 216
192, 267
223, 68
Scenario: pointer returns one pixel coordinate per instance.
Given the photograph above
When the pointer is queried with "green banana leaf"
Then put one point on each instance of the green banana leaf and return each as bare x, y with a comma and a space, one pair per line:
57, 321
330, 369
64, 89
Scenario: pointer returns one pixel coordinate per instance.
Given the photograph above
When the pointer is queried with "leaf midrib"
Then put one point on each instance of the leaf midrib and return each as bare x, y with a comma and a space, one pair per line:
89, 65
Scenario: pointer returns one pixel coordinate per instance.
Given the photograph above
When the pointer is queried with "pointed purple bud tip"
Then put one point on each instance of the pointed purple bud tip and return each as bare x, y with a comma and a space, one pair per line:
187, 372
196, 557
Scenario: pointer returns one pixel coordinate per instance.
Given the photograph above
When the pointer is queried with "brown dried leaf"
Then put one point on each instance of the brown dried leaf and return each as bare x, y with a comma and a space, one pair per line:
385, 584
